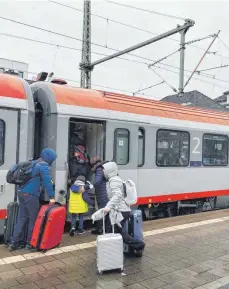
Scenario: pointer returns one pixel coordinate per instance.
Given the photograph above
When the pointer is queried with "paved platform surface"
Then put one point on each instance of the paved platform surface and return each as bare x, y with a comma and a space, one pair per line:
183, 252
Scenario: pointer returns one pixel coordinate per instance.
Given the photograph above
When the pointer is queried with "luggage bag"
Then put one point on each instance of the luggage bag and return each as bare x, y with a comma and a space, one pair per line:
133, 227
109, 251
10, 222
49, 227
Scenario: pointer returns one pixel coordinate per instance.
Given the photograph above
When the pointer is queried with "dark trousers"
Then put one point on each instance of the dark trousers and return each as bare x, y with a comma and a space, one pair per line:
28, 210
99, 223
117, 229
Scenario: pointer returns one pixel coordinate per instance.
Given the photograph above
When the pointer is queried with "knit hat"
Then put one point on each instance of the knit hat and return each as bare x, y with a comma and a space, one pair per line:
80, 181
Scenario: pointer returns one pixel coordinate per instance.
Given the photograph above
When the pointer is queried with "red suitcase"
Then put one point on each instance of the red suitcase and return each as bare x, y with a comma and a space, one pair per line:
49, 227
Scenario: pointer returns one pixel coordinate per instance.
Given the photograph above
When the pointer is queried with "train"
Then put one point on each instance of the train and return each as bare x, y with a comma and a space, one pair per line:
176, 155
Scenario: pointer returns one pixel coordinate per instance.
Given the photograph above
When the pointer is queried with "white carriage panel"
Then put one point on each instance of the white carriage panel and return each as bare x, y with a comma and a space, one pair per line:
160, 122
167, 181
7, 191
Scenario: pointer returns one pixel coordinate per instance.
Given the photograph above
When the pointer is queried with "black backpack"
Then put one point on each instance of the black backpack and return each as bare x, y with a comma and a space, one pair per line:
21, 173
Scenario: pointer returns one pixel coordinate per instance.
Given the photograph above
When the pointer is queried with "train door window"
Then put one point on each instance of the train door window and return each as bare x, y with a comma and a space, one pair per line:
141, 147
2, 141
172, 148
215, 150
121, 146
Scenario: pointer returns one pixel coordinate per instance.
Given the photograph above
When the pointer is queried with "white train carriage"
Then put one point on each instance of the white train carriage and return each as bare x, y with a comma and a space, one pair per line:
176, 155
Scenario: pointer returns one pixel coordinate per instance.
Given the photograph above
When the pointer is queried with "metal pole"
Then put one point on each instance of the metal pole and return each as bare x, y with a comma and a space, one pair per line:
181, 72
188, 23
86, 46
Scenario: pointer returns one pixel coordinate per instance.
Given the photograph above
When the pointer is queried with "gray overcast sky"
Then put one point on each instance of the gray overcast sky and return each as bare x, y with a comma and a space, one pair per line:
210, 16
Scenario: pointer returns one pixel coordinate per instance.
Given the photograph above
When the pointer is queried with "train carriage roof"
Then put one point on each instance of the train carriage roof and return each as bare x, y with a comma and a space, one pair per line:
71, 96
62, 95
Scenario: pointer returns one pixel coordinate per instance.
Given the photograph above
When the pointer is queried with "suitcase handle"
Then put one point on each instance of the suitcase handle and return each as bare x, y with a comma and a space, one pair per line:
104, 229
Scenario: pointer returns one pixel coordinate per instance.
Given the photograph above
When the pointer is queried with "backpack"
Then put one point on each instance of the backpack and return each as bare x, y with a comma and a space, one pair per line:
130, 193
82, 156
21, 173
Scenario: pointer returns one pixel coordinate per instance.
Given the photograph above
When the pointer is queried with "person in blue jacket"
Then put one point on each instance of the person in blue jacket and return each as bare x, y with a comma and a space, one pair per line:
29, 194
100, 189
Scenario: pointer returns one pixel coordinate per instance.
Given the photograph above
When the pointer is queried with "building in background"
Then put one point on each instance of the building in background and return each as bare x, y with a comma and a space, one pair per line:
14, 67
196, 99
223, 99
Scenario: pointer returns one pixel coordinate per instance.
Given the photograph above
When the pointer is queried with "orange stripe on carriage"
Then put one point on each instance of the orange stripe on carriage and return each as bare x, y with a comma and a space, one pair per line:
3, 214
180, 197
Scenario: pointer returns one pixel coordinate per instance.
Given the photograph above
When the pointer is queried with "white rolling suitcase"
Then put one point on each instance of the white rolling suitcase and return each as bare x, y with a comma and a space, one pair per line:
109, 251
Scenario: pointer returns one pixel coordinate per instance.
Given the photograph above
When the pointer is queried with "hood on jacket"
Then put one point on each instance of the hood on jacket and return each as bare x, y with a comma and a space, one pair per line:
48, 155
110, 170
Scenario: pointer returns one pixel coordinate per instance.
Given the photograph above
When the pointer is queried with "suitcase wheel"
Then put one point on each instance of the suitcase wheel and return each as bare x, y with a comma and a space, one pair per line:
120, 270
100, 273
138, 254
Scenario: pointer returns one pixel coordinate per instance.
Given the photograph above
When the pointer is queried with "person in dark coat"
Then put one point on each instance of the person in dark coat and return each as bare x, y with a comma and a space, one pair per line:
78, 164
100, 189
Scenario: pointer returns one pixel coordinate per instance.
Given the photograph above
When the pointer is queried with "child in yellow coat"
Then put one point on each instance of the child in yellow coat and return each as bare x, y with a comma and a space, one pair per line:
77, 205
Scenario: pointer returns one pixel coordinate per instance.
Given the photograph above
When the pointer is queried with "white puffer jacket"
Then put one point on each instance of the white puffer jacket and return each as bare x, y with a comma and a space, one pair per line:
115, 189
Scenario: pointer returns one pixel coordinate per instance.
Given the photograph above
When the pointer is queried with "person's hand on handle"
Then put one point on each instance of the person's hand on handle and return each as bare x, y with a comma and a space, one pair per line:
52, 201
106, 210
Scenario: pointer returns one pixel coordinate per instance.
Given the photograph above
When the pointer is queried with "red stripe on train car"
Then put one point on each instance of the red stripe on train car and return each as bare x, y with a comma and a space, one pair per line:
2, 214
180, 197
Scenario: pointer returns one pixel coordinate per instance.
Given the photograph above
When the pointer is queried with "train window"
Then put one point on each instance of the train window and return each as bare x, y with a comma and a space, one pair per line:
215, 150
121, 147
141, 147
2, 141
172, 148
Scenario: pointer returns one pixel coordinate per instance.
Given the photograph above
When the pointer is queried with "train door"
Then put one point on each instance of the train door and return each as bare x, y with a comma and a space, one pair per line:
91, 135
9, 154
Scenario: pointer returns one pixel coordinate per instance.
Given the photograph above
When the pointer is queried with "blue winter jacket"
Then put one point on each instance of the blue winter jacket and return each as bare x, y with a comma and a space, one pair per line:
41, 175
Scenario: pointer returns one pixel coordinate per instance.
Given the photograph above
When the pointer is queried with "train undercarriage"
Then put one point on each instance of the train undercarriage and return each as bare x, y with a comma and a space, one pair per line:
172, 209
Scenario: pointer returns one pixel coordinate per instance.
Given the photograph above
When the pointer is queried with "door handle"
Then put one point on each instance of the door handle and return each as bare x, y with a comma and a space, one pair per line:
2, 188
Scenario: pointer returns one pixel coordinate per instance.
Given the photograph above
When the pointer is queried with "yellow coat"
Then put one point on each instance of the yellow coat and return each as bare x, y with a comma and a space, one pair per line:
77, 205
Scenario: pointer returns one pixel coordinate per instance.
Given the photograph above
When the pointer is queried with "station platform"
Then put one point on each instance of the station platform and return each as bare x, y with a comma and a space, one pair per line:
183, 252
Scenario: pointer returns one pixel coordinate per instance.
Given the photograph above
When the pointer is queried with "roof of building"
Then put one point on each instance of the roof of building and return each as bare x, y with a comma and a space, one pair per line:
197, 99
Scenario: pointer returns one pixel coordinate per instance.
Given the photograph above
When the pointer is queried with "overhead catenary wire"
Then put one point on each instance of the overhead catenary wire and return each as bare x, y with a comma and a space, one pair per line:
212, 68
164, 58
198, 79
199, 39
137, 28
166, 82
101, 54
190, 77
148, 87
148, 11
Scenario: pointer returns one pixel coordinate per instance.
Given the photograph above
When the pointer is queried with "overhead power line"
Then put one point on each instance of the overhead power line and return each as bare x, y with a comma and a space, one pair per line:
148, 87
199, 39
213, 40
135, 27
173, 88
148, 11
198, 79
101, 54
207, 69
164, 58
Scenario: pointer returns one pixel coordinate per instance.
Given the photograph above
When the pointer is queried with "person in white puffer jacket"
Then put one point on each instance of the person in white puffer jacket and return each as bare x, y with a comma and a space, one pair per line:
115, 192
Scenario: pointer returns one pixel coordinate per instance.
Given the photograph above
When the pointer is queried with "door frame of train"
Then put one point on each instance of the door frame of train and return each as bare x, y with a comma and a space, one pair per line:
8, 192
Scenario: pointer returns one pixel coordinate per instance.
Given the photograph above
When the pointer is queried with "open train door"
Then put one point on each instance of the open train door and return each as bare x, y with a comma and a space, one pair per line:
8, 156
